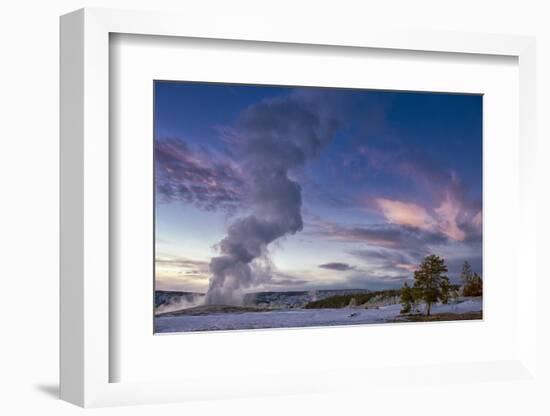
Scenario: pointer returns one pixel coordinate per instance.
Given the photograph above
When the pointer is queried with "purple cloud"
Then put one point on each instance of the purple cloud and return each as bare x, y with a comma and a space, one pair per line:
382, 235
195, 176
341, 267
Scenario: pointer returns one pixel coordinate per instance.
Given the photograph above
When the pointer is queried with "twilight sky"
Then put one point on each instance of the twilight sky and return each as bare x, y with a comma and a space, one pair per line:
320, 187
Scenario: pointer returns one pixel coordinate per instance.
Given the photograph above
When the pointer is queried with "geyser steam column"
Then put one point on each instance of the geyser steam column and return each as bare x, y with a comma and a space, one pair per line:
272, 138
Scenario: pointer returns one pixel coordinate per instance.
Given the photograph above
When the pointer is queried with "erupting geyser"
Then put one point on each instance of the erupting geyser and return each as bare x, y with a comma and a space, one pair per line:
272, 138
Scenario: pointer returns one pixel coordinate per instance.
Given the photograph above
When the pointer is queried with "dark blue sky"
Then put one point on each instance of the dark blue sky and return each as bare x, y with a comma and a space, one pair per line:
398, 178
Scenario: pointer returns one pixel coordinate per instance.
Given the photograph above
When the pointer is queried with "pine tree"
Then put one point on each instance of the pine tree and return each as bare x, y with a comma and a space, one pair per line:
430, 282
478, 285
466, 274
445, 291
474, 287
407, 298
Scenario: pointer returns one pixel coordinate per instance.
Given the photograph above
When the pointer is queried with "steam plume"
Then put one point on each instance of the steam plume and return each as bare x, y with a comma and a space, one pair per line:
273, 138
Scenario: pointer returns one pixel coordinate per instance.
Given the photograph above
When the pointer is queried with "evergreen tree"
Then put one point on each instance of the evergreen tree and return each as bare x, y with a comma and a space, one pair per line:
466, 274
474, 287
478, 285
430, 282
445, 291
407, 298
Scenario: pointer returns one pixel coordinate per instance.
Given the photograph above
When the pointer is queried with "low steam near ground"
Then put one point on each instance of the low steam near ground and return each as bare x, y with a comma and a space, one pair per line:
167, 301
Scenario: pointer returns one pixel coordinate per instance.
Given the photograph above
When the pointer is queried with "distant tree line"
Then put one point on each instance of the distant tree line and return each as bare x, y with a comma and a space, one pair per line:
431, 285
342, 301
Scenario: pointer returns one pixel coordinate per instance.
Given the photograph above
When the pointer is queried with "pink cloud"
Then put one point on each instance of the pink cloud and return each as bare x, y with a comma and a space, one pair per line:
447, 216
477, 221
405, 213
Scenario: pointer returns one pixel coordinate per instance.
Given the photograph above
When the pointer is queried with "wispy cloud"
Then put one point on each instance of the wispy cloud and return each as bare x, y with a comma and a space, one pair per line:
391, 263
381, 235
180, 273
195, 176
447, 215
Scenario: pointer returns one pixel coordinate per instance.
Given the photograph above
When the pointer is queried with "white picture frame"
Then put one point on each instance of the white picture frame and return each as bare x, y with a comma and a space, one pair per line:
85, 200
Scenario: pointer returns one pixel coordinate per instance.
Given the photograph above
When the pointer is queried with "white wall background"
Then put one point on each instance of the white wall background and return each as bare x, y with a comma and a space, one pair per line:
29, 189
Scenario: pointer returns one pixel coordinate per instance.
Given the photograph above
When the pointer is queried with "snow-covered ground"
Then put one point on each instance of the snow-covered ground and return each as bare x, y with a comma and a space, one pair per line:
468, 305
296, 318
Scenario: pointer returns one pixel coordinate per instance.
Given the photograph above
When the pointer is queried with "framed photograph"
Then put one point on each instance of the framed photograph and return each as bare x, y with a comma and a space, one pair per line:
267, 212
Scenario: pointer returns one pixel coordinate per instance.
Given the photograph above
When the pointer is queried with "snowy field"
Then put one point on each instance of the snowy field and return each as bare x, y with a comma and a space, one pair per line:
297, 318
